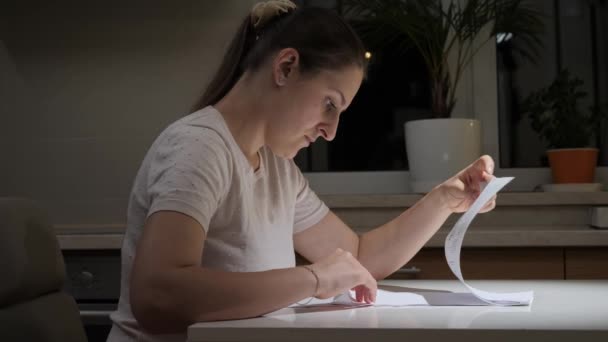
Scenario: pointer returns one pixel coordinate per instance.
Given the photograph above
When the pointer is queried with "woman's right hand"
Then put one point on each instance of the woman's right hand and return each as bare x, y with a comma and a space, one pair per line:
340, 272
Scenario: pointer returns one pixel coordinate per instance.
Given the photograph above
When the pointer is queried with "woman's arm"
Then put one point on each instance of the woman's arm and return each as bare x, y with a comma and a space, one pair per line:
385, 249
170, 290
390, 246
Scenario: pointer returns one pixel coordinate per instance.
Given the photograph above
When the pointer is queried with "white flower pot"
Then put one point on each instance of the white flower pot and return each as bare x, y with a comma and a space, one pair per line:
439, 148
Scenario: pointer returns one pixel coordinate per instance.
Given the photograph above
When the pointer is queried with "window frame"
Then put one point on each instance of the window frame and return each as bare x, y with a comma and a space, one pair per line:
478, 96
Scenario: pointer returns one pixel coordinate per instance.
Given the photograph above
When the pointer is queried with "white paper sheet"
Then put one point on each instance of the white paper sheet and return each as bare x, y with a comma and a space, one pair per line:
429, 298
453, 244
412, 297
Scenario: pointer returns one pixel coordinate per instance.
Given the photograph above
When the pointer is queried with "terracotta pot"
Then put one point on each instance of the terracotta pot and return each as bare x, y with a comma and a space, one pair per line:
573, 165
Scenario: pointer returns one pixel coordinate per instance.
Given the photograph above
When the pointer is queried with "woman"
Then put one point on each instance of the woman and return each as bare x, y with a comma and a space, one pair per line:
218, 206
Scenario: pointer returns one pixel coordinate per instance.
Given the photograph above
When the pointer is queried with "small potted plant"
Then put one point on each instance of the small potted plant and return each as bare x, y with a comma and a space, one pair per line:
569, 131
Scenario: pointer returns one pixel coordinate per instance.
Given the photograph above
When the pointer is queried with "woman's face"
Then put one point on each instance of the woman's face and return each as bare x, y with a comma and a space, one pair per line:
309, 107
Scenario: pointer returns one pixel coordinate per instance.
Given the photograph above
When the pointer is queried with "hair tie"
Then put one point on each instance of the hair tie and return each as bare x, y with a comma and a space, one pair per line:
262, 12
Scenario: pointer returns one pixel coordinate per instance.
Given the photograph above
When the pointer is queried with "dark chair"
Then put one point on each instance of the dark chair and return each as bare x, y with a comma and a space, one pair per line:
33, 306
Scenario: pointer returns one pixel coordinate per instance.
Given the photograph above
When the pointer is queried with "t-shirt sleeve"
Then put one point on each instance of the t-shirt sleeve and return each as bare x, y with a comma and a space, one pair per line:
189, 173
309, 209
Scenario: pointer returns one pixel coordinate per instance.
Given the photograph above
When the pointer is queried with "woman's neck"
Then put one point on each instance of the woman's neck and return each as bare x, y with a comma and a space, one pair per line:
242, 112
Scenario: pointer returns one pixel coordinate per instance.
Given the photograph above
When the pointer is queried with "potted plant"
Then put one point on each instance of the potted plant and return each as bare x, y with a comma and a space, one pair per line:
555, 114
447, 34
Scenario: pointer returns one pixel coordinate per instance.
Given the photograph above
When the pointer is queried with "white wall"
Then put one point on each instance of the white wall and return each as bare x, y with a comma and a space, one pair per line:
86, 87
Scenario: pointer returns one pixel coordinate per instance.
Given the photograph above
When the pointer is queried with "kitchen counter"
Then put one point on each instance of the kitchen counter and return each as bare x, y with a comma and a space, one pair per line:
521, 219
563, 310
98, 238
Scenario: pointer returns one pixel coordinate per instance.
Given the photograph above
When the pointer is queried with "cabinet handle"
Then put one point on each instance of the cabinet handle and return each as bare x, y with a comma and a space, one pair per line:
409, 270
85, 279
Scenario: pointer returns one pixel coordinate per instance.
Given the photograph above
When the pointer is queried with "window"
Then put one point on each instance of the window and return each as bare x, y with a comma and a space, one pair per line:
370, 142
368, 155
575, 38
371, 135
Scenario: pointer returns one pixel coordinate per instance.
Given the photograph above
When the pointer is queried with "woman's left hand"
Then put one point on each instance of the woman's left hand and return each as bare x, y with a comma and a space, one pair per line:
459, 192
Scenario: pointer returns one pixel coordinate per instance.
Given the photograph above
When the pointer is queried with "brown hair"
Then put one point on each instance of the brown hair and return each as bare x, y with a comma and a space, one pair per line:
322, 38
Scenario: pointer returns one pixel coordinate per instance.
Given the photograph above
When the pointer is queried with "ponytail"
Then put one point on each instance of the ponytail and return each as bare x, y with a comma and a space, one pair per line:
231, 68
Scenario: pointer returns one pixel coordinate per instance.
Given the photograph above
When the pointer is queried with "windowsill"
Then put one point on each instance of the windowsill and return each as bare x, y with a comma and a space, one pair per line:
504, 199
398, 182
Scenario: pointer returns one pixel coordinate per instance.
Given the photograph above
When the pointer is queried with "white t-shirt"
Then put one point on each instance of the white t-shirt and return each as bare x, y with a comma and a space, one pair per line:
196, 167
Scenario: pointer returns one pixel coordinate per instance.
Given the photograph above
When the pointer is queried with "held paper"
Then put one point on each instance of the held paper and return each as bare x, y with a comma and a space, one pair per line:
453, 245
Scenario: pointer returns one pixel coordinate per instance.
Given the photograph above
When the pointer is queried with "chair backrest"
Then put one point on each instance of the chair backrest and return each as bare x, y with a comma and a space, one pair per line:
33, 306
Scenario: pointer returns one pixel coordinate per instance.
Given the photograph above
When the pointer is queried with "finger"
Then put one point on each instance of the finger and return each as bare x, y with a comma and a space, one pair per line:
373, 289
480, 184
488, 207
485, 163
369, 284
373, 293
490, 202
471, 182
359, 293
487, 177
363, 298
480, 170
369, 298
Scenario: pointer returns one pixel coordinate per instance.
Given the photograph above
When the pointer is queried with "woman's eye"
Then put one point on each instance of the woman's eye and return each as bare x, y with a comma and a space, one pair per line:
330, 105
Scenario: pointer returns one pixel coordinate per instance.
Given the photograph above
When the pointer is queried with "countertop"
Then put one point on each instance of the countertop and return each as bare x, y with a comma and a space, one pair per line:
562, 310
110, 237
521, 219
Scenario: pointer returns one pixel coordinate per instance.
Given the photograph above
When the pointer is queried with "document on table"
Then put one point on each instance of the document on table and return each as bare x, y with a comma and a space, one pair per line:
453, 244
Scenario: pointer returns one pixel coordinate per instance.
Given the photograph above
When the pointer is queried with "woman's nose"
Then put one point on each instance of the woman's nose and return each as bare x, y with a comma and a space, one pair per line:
328, 126
328, 131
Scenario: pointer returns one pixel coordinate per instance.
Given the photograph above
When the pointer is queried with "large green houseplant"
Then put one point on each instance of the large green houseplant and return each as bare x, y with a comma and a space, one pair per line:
569, 131
448, 34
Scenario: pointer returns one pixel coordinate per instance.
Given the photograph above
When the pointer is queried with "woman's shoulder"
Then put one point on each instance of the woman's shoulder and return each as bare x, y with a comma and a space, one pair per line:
203, 128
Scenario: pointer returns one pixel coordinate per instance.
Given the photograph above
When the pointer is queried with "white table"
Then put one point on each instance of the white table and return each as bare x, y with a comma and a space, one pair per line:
563, 310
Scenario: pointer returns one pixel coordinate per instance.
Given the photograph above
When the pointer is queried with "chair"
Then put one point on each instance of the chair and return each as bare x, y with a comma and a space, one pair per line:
33, 306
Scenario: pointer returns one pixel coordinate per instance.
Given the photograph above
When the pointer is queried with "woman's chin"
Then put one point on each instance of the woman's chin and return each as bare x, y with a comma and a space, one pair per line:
287, 153
292, 154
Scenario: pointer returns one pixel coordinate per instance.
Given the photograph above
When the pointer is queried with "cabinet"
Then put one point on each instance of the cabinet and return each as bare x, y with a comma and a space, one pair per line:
508, 263
511, 263
530, 235
586, 263
487, 263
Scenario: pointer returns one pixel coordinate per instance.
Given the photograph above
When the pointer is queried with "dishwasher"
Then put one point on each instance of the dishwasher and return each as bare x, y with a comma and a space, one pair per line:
93, 279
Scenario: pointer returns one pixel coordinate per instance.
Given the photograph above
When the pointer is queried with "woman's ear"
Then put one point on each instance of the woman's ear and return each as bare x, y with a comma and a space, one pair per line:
285, 66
